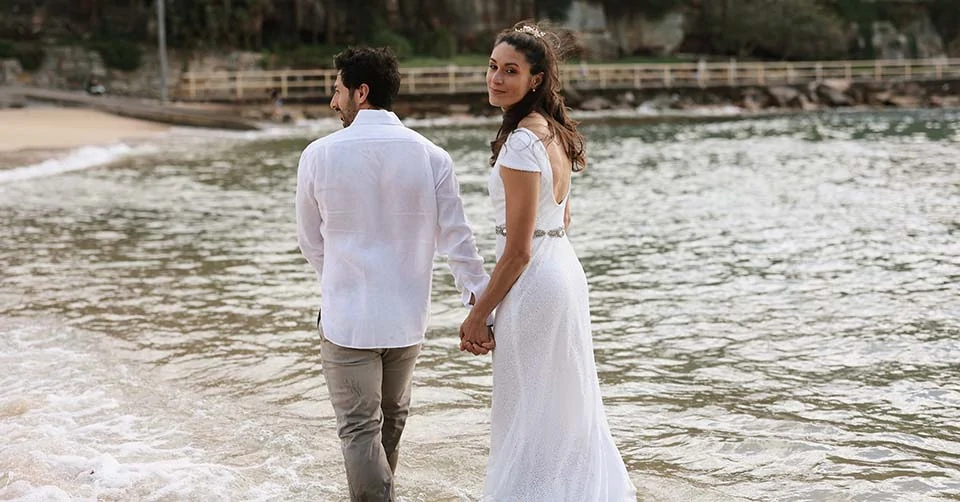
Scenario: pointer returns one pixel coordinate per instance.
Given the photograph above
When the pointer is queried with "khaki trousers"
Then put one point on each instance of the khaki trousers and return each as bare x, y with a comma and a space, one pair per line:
370, 393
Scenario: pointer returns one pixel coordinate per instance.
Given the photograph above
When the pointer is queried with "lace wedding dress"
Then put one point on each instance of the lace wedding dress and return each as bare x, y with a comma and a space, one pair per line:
550, 441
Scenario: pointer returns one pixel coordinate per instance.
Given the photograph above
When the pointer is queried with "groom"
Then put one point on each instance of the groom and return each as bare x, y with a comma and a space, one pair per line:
375, 202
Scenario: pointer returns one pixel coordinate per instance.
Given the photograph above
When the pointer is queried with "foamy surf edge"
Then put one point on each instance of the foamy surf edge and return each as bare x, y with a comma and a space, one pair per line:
81, 422
97, 155
75, 160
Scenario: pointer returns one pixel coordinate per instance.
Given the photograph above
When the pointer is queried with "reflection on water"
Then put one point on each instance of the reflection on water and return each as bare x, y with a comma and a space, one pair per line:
775, 307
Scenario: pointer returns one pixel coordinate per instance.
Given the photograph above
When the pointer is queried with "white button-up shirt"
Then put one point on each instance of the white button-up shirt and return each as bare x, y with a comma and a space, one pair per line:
375, 202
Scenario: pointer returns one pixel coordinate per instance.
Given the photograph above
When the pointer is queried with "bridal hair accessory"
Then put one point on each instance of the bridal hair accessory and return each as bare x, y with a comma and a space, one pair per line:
531, 30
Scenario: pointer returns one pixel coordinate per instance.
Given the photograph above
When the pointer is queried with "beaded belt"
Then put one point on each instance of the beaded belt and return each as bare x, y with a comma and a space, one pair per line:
556, 232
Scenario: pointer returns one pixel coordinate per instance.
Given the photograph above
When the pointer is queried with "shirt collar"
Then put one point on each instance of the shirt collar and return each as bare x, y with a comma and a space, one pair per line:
376, 117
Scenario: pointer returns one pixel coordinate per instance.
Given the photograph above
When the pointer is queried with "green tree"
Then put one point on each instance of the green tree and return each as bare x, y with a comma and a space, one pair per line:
783, 29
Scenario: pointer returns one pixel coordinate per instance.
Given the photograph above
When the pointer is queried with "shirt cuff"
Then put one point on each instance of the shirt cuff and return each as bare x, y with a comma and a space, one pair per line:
476, 293
476, 290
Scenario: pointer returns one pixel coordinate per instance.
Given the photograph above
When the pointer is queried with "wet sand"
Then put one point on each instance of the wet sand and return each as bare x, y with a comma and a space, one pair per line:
34, 134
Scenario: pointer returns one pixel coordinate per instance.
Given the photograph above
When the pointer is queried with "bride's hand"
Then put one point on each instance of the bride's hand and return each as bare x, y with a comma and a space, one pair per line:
476, 337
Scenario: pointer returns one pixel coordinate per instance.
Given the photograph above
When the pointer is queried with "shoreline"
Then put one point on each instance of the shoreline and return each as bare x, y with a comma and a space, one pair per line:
34, 134
42, 133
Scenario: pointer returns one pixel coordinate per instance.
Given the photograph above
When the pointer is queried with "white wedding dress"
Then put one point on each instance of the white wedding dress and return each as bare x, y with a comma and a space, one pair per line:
550, 441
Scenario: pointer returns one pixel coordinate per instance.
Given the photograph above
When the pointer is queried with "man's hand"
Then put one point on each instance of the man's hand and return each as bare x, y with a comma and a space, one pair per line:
476, 337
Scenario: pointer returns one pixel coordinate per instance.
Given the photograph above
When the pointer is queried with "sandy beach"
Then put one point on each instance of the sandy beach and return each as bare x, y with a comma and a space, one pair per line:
33, 134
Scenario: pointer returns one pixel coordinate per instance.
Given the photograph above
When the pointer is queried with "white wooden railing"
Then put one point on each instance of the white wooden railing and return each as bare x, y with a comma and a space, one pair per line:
301, 84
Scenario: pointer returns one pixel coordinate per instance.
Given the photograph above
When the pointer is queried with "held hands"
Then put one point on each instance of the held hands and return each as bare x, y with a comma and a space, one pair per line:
476, 337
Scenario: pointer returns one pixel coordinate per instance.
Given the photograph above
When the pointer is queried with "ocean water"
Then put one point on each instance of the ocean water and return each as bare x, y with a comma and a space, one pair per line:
776, 304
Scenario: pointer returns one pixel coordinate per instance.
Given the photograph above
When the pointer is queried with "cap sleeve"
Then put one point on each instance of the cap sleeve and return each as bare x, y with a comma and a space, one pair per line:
519, 152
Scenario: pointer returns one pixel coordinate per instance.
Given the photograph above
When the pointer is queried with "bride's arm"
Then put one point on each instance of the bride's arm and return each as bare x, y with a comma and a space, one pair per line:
522, 192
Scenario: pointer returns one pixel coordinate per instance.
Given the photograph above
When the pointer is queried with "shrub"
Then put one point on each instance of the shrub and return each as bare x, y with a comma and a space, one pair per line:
400, 45
787, 29
439, 44
30, 57
7, 49
119, 54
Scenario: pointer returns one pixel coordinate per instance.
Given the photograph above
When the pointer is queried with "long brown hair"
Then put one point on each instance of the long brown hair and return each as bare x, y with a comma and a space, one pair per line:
543, 50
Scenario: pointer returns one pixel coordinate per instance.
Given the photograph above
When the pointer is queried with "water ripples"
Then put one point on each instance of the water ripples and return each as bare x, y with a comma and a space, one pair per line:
775, 303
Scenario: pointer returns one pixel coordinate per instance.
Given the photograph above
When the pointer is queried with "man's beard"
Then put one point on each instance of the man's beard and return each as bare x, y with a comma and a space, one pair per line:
349, 113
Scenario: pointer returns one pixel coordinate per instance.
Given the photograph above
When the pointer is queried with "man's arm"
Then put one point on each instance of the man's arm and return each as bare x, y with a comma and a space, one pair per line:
308, 214
455, 238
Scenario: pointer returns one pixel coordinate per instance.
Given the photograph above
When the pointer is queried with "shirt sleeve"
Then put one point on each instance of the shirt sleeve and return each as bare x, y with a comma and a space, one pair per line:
308, 214
519, 152
454, 236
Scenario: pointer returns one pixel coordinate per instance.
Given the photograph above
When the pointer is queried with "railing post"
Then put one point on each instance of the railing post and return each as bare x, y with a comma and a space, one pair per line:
452, 78
790, 74
283, 84
667, 79
732, 73
192, 85
939, 70
818, 72
906, 70
413, 82
877, 70
761, 75
239, 86
636, 77
848, 71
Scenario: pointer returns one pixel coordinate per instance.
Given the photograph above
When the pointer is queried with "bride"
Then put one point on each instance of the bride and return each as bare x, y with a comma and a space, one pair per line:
550, 441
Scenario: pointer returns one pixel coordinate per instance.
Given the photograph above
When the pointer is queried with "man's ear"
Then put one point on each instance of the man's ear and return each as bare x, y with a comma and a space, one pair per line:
363, 92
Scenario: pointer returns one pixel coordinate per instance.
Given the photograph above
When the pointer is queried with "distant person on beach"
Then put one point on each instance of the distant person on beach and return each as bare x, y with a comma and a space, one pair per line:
375, 201
95, 88
277, 100
550, 441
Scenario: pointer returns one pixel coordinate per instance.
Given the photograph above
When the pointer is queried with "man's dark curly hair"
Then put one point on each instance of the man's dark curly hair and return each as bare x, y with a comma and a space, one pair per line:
375, 66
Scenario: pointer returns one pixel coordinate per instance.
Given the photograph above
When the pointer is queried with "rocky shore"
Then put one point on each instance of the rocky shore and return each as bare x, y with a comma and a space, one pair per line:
666, 104
827, 94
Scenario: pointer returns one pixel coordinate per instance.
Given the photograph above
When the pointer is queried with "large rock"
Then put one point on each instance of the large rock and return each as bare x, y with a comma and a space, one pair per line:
784, 96
834, 97
881, 98
605, 37
10, 71
912, 89
69, 67
597, 47
905, 101
596, 103
918, 39
805, 103
638, 34
754, 99
926, 42
945, 101
836, 84
586, 17
888, 43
